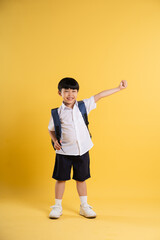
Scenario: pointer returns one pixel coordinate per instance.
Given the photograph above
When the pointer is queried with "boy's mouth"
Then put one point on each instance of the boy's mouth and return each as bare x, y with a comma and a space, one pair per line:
70, 98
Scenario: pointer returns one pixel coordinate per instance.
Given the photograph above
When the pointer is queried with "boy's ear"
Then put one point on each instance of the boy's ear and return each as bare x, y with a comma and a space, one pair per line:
59, 93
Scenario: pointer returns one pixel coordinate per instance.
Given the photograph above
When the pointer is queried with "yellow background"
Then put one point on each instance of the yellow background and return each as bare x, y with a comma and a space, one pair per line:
99, 43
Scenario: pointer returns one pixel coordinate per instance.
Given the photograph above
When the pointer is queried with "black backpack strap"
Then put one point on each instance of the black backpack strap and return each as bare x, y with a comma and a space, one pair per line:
57, 124
83, 111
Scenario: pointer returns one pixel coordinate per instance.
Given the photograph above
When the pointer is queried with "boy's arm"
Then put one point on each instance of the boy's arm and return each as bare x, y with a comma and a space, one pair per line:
52, 135
105, 93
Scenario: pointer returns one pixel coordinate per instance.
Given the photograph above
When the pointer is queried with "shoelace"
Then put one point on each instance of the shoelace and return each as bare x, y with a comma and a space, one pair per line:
55, 207
86, 206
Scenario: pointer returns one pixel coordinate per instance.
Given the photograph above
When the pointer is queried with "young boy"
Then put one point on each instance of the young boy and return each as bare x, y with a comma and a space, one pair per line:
74, 145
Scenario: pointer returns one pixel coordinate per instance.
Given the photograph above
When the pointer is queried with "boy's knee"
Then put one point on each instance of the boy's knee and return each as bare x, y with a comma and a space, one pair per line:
80, 181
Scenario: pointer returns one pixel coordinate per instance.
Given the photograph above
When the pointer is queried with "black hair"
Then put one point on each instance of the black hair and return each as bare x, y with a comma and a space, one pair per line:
67, 83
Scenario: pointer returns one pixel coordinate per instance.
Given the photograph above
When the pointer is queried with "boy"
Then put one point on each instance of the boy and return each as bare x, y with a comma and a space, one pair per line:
73, 148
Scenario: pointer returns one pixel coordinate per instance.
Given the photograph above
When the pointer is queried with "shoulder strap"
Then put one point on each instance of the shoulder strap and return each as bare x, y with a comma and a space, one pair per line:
57, 124
83, 111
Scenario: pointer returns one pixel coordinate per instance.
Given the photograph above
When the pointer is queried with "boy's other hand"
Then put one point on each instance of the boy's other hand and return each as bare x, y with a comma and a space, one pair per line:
57, 145
123, 84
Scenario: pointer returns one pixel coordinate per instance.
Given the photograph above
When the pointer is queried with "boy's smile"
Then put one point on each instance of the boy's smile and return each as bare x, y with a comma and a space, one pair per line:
69, 96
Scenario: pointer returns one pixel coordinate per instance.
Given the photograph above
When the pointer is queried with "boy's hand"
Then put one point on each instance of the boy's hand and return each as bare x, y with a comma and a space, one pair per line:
57, 145
123, 84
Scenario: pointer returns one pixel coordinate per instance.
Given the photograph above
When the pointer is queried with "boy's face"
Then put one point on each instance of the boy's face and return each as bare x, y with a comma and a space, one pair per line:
69, 95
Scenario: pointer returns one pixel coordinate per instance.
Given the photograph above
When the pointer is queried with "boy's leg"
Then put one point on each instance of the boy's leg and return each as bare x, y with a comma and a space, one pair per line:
59, 189
81, 188
81, 170
57, 208
85, 209
82, 191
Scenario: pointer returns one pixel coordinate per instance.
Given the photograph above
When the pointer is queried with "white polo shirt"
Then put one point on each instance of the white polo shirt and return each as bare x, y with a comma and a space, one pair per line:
75, 137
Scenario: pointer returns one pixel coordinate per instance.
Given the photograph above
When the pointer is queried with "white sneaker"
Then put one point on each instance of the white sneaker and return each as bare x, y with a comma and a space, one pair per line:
56, 211
86, 211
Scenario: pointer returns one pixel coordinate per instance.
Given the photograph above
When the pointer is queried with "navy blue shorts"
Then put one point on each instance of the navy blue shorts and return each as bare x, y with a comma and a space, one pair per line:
63, 164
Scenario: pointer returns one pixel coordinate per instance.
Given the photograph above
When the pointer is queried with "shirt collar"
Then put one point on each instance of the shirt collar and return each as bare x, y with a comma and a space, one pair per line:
64, 106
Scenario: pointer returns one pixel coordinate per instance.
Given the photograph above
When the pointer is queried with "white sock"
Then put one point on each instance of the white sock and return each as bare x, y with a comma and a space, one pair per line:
83, 200
58, 201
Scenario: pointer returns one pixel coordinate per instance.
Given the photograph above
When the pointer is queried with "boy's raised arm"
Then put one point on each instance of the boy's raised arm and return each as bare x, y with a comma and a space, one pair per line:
105, 93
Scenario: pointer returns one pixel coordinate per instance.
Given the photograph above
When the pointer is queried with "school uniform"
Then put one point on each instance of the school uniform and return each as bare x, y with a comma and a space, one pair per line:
76, 142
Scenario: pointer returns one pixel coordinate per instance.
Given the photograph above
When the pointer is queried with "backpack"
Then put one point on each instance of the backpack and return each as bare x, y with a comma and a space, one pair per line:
57, 123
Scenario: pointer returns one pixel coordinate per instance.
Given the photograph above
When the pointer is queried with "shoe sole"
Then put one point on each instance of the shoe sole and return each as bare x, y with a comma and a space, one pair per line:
55, 217
88, 216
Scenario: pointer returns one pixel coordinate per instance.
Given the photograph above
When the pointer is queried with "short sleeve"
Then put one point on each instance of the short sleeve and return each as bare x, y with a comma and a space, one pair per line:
51, 124
90, 104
